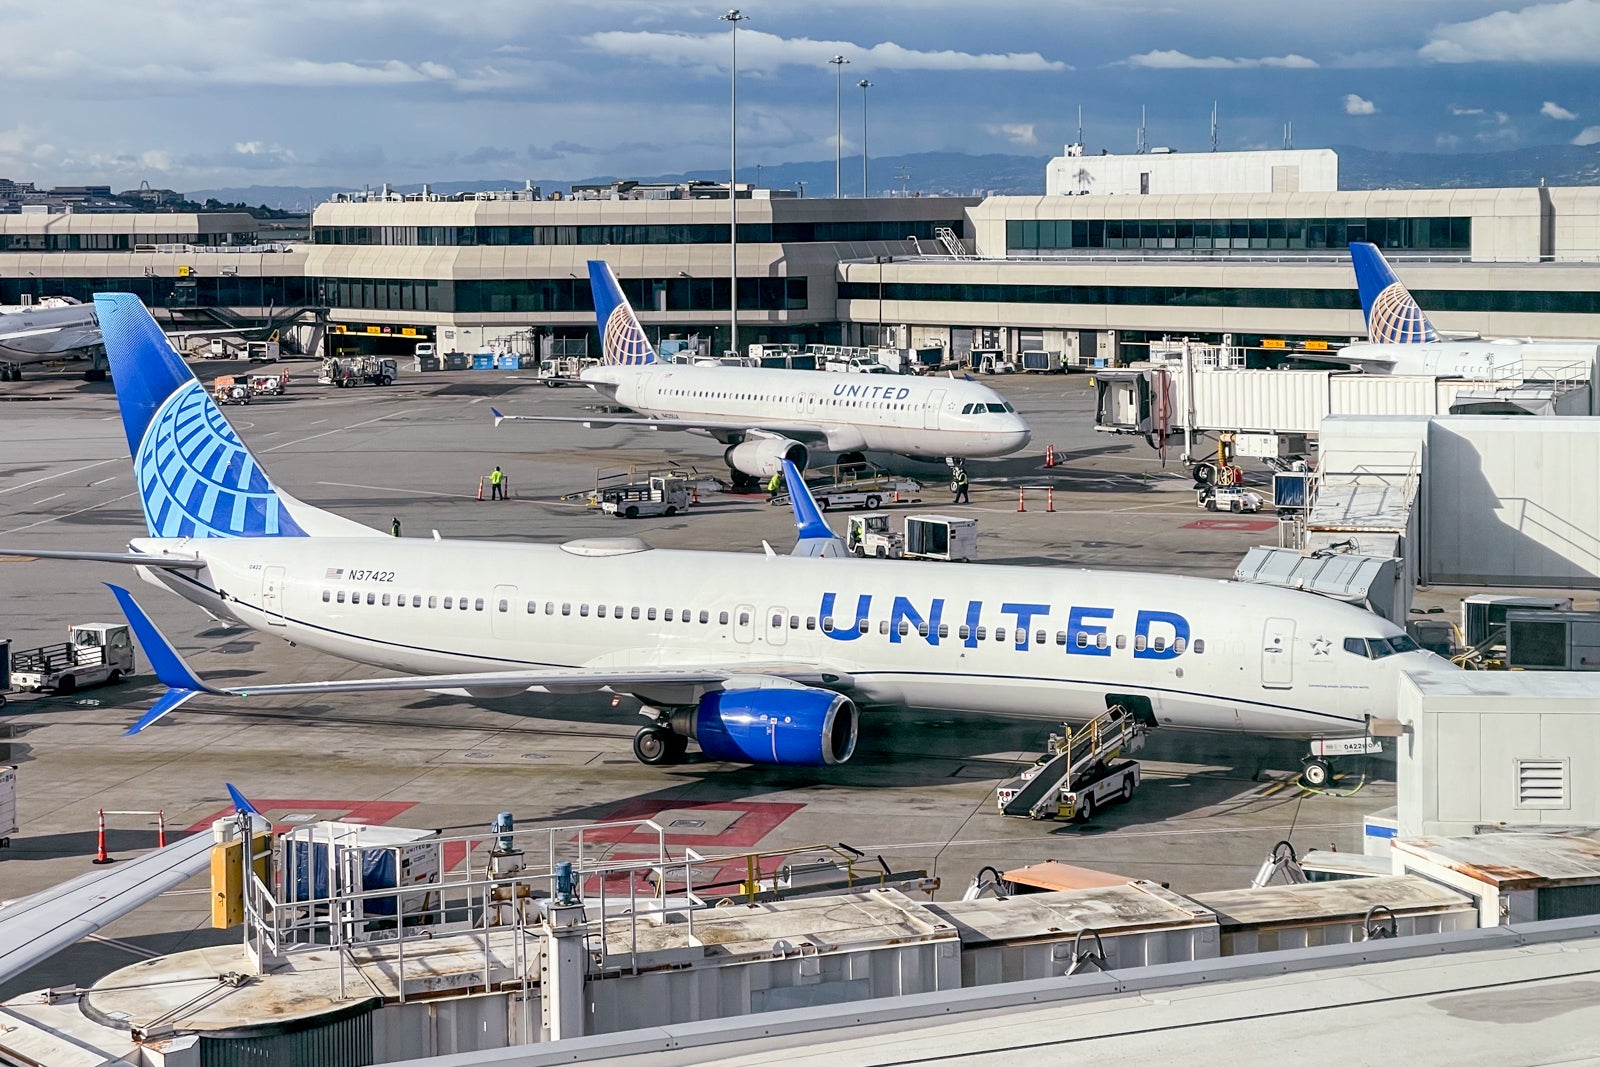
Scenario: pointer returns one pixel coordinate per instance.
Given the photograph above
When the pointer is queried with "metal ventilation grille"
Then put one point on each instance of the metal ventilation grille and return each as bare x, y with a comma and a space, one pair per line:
1542, 783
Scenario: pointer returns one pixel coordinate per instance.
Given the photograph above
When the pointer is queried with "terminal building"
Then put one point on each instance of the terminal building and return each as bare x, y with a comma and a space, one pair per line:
1095, 272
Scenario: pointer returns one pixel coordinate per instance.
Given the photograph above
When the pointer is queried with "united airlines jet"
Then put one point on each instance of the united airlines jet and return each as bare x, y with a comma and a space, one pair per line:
757, 657
51, 329
766, 416
1401, 339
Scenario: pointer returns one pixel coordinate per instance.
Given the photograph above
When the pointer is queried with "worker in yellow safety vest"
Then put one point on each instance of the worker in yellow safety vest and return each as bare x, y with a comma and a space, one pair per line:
497, 489
774, 483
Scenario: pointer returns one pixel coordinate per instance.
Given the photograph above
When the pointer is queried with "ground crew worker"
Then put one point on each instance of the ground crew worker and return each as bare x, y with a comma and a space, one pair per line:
497, 489
960, 485
394, 526
774, 483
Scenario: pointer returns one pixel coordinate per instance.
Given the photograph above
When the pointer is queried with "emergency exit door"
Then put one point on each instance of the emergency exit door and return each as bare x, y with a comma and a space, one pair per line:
1277, 654
272, 595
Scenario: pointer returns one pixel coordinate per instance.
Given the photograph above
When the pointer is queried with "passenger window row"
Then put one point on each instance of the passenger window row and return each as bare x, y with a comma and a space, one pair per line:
1081, 639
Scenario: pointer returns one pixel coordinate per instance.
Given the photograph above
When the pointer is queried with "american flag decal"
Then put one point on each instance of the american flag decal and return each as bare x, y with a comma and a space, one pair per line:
334, 572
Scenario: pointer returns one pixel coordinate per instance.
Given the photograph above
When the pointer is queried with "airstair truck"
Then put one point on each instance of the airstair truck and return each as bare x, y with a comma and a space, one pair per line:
94, 653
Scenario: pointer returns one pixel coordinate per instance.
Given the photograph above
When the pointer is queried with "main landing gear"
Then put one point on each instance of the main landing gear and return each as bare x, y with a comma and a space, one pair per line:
657, 745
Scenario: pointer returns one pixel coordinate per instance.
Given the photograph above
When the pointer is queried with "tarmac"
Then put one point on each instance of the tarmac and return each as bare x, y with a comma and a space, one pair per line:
919, 792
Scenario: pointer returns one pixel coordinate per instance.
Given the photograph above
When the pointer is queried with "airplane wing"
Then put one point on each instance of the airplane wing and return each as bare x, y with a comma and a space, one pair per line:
36, 927
806, 433
183, 683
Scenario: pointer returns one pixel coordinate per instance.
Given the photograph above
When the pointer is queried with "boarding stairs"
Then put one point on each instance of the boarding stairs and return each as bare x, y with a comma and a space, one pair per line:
1072, 757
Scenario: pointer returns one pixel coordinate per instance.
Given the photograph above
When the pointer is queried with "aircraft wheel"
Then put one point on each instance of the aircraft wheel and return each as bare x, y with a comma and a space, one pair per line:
650, 746
873, 502
1315, 773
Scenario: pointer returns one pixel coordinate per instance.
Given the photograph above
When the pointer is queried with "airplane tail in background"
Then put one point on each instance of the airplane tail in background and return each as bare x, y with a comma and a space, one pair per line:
1393, 317
622, 339
195, 477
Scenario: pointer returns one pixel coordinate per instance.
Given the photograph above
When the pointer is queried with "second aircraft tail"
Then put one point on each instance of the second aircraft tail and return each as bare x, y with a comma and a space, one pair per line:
1393, 317
622, 339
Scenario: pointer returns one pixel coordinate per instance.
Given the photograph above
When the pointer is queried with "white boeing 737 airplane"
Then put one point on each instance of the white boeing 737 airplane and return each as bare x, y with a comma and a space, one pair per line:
50, 329
760, 658
766, 416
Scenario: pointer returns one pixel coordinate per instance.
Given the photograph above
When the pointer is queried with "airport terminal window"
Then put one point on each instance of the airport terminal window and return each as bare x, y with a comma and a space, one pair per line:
1225, 235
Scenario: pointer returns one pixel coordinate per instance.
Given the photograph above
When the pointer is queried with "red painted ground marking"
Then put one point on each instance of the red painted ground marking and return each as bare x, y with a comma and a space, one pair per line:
376, 812
1250, 525
756, 820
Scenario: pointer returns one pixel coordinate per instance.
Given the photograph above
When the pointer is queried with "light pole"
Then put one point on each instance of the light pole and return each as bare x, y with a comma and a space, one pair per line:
864, 86
733, 18
838, 135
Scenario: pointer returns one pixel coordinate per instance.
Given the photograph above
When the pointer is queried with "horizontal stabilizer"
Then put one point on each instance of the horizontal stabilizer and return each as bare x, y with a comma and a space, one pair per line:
136, 559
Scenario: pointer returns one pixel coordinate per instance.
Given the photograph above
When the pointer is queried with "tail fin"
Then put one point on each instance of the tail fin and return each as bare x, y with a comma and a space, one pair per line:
1393, 317
195, 477
622, 339
813, 535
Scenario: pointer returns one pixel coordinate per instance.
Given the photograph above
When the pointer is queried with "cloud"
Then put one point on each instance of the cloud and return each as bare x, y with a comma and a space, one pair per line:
1457, 109
1553, 110
768, 51
1447, 140
1019, 133
1355, 105
1169, 59
1589, 135
1542, 33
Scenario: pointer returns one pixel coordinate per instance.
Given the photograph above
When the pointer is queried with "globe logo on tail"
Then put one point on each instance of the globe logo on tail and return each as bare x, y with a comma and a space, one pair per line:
1396, 319
624, 342
197, 479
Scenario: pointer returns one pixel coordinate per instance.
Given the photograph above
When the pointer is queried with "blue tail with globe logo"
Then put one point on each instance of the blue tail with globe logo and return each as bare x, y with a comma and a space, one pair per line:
622, 339
195, 477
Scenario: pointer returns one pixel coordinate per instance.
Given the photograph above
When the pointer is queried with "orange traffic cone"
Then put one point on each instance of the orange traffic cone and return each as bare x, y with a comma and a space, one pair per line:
1020, 494
101, 855
480, 487
1049, 455
1050, 499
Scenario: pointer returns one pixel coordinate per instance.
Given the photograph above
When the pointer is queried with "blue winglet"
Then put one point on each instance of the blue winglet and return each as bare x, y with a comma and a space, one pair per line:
240, 803
171, 700
169, 666
808, 518
498, 418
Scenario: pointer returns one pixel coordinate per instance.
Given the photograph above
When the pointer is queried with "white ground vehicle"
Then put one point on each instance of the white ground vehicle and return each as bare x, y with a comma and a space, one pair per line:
661, 495
925, 537
346, 371
1227, 498
262, 351
94, 653
869, 535
1081, 773
857, 485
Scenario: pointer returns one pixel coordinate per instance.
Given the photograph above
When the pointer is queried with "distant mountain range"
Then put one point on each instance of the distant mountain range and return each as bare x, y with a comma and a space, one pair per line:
958, 174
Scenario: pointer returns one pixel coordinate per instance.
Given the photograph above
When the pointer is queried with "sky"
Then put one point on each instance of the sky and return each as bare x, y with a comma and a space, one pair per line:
357, 92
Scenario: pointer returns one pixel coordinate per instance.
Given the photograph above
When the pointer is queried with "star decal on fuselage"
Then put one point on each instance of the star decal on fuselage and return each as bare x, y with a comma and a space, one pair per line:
1320, 646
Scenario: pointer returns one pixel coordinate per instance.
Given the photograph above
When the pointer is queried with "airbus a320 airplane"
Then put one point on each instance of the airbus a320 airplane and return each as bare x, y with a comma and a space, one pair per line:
767, 416
760, 658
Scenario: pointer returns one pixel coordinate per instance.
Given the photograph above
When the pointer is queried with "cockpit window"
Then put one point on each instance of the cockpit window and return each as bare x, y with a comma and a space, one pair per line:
997, 409
1379, 647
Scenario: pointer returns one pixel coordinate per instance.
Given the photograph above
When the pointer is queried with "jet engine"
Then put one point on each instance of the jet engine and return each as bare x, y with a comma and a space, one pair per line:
798, 727
759, 457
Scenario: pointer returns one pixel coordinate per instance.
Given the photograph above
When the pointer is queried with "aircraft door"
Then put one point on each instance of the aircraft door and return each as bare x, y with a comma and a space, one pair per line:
1277, 654
777, 622
744, 623
272, 595
502, 610
930, 414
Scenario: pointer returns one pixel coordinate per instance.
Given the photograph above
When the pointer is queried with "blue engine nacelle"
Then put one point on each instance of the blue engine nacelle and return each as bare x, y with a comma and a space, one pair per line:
800, 727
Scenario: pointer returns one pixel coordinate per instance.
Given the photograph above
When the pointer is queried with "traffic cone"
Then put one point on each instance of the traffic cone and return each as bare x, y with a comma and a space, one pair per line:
1020, 505
101, 855
896, 499
1050, 499
480, 487
1049, 455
